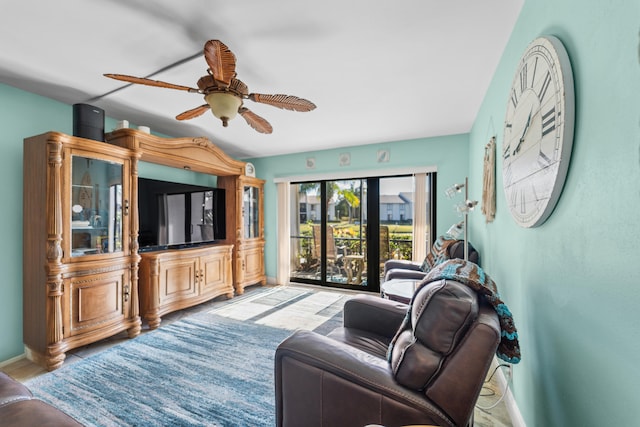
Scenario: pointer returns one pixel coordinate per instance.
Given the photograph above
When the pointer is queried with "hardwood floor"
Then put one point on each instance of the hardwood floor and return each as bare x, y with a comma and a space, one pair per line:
495, 413
23, 370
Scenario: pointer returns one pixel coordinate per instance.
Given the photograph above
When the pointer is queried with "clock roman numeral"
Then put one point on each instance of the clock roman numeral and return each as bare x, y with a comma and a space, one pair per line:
534, 193
514, 98
514, 197
508, 175
545, 86
523, 203
535, 67
543, 160
523, 78
549, 121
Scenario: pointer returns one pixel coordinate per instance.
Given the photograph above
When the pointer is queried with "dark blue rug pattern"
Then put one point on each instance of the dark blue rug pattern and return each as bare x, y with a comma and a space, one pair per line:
203, 370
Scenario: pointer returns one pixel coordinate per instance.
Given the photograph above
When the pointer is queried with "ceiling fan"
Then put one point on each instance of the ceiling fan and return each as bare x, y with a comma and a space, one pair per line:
223, 93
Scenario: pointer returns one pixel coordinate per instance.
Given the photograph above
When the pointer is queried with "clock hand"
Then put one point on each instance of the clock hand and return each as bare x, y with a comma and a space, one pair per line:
524, 132
505, 152
526, 127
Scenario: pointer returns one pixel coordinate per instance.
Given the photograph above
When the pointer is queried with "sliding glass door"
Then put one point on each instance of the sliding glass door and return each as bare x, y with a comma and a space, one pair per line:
343, 231
396, 207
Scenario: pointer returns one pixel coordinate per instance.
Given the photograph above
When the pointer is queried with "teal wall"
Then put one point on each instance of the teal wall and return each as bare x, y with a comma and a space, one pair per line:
21, 115
166, 173
448, 153
572, 283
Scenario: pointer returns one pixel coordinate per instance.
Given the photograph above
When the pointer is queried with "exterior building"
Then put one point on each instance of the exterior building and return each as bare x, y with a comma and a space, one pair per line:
396, 208
310, 208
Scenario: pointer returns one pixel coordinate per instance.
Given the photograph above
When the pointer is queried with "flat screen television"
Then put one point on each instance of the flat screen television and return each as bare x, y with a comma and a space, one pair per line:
176, 215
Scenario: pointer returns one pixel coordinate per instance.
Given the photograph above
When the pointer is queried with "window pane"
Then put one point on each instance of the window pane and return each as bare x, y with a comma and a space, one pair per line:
96, 206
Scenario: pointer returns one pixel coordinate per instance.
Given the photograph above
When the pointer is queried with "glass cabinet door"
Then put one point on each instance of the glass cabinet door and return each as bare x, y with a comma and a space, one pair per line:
96, 206
250, 206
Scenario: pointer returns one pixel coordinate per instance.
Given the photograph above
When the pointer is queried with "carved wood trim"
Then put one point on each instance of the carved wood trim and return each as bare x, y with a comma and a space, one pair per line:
54, 247
196, 154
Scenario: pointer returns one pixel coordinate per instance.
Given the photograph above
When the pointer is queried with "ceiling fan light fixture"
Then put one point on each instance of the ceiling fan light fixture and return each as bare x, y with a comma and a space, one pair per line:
224, 105
223, 92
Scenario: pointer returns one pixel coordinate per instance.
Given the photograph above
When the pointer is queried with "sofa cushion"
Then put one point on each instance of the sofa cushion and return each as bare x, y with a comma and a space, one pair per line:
374, 344
456, 250
440, 315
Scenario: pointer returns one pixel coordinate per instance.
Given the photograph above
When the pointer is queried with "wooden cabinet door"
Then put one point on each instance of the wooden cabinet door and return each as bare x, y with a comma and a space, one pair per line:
251, 263
96, 301
250, 206
215, 274
96, 202
178, 279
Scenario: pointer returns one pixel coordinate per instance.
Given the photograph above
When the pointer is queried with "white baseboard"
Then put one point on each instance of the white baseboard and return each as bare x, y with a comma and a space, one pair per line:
13, 360
510, 401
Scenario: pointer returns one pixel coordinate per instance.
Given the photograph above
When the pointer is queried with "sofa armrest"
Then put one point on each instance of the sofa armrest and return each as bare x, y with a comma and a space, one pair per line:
12, 390
374, 314
401, 273
18, 407
402, 263
321, 382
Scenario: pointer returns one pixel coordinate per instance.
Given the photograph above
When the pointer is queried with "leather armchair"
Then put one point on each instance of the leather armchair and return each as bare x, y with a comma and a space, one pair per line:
434, 375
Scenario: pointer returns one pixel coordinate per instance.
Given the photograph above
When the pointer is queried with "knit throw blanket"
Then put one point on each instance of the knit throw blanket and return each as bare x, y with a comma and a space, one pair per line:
439, 252
474, 277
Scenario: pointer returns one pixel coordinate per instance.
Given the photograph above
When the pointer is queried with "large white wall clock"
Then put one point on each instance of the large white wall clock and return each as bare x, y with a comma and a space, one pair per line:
538, 131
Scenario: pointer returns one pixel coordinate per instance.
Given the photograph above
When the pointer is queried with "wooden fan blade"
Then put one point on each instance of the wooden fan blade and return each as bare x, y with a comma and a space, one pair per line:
193, 113
239, 87
287, 102
149, 82
255, 121
221, 61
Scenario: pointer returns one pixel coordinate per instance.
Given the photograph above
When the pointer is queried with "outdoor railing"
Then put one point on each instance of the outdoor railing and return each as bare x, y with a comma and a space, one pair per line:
399, 248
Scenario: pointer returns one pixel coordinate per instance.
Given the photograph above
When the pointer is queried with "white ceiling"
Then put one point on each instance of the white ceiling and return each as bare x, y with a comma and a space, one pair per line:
378, 71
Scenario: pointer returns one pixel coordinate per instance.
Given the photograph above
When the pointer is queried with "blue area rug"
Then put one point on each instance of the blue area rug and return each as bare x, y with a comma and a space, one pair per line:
203, 370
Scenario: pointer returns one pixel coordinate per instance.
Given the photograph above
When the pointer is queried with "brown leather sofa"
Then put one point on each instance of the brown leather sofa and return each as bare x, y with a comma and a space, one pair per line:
434, 376
18, 407
412, 270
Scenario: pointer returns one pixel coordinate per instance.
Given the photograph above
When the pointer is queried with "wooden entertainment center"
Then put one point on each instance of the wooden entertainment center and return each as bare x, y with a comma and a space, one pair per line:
84, 277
